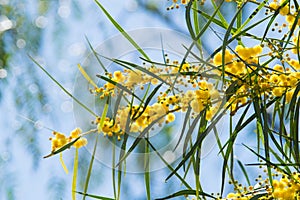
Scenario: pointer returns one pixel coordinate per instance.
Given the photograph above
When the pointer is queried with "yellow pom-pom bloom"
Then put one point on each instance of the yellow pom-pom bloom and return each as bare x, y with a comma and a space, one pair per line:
218, 57
58, 141
118, 76
273, 5
170, 117
285, 10
75, 133
80, 143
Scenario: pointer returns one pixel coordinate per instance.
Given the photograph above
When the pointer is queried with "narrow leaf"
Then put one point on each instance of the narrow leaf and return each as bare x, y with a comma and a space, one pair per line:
121, 30
66, 146
86, 76
57, 83
88, 176
185, 193
63, 163
95, 196
75, 170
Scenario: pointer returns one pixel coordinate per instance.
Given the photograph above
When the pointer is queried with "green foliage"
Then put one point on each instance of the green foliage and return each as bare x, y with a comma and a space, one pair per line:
250, 85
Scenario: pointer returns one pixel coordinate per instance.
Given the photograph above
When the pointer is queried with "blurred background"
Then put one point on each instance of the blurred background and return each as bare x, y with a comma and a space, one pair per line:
54, 33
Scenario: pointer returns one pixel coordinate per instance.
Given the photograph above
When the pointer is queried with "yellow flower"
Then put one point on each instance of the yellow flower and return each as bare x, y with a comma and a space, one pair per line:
273, 5
289, 95
231, 195
134, 127
80, 143
218, 57
258, 49
184, 2
58, 141
173, 99
274, 79
202, 94
295, 64
118, 76
170, 117
134, 78
278, 91
209, 114
75, 133
109, 86
285, 10
197, 105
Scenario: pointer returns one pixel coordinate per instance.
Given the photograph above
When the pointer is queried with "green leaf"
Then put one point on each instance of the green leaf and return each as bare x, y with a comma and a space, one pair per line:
294, 128
239, 126
122, 152
186, 118
189, 133
103, 116
96, 55
255, 12
168, 165
214, 20
113, 169
95, 196
222, 18
146, 171
268, 162
293, 100
226, 37
150, 97
272, 20
118, 85
57, 83
197, 143
244, 171
75, 171
117, 104
185, 193
66, 146
88, 176
86, 76
139, 138
121, 30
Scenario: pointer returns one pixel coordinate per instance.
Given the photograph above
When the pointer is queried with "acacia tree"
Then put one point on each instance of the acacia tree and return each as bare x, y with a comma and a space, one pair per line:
250, 79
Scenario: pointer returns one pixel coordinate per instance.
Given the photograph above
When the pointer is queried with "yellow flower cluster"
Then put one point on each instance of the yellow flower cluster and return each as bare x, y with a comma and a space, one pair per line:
289, 12
202, 98
242, 65
238, 196
109, 127
243, 62
140, 118
285, 188
188, 87
284, 9
237, 66
127, 78
296, 43
59, 140
177, 3
191, 90
163, 110
200, 95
